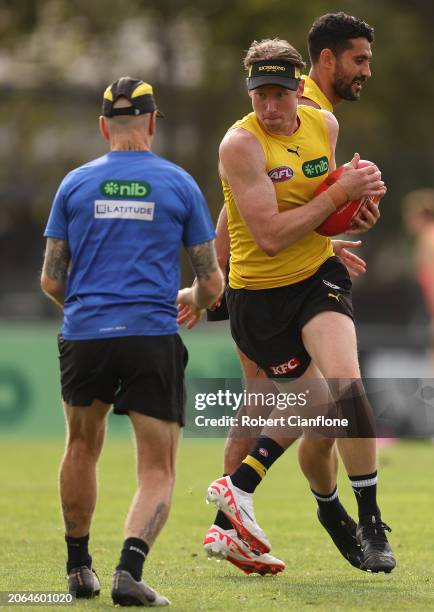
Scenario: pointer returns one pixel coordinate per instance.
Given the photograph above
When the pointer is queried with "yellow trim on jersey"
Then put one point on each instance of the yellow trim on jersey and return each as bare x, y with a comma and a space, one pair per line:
255, 465
297, 165
314, 93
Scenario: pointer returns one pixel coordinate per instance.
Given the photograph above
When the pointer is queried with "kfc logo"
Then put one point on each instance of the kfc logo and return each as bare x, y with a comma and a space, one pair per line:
284, 368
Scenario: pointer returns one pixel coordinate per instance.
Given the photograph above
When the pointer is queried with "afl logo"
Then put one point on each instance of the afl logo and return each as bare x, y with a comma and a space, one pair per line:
281, 174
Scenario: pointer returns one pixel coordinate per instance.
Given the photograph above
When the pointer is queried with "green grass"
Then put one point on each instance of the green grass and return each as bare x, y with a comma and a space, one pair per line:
32, 549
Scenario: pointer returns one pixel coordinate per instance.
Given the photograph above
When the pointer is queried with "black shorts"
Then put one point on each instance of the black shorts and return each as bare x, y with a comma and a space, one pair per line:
140, 373
266, 324
220, 313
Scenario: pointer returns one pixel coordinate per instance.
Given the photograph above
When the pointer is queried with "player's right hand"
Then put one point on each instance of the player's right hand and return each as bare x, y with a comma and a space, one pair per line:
187, 317
361, 182
188, 314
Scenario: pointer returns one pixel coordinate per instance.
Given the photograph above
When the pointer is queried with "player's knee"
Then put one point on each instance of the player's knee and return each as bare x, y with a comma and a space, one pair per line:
85, 446
342, 371
316, 445
159, 473
353, 405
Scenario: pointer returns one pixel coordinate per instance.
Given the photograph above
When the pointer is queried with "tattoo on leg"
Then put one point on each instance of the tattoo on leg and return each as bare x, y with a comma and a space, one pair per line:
154, 525
67, 508
69, 524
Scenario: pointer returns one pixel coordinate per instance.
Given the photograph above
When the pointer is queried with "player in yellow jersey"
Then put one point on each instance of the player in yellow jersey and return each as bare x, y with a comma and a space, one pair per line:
339, 46
277, 261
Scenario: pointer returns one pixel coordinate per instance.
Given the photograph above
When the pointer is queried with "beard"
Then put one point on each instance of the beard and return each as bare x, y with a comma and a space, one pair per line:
343, 87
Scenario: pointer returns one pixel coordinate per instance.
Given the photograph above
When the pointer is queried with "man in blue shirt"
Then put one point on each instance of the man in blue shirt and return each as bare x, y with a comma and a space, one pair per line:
112, 264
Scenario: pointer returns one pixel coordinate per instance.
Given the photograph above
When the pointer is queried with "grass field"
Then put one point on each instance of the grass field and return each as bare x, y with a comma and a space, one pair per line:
32, 549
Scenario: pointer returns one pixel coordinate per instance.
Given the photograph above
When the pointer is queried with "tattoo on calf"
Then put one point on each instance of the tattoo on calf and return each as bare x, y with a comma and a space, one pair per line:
203, 259
154, 525
69, 524
57, 259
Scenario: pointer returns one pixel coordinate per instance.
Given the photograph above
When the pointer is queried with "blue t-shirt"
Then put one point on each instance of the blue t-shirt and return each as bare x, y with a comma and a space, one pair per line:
125, 216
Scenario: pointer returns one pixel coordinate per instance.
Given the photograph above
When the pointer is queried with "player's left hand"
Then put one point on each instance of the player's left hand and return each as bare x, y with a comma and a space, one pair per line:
354, 264
366, 218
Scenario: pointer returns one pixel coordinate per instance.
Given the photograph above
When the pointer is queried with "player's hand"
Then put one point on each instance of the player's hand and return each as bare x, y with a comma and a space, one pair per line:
361, 182
366, 218
188, 313
219, 300
188, 317
354, 264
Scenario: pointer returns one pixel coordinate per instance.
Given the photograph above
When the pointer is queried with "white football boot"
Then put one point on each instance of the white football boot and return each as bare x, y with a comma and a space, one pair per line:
225, 544
237, 506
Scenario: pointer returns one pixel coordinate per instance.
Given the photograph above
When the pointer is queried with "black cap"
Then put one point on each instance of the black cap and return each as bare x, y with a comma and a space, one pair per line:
273, 72
139, 93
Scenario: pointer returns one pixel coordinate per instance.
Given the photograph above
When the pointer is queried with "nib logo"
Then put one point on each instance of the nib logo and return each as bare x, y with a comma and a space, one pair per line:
125, 189
315, 167
110, 188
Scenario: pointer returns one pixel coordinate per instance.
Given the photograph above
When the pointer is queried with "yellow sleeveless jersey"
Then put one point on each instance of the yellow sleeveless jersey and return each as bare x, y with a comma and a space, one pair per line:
314, 93
296, 164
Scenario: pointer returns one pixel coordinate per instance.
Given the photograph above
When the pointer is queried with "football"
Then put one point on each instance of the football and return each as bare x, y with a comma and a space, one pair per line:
340, 221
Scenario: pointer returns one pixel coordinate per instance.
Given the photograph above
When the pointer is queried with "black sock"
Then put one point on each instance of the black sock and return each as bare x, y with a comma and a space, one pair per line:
330, 507
133, 556
78, 554
255, 465
222, 521
365, 490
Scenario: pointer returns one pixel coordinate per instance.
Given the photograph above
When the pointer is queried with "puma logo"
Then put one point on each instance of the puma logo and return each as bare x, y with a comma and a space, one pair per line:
334, 295
294, 150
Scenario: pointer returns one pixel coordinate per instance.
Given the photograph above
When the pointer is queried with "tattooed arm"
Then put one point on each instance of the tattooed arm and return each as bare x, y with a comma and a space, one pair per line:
208, 284
55, 269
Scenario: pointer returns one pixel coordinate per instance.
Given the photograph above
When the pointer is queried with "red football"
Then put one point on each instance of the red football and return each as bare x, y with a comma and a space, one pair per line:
340, 221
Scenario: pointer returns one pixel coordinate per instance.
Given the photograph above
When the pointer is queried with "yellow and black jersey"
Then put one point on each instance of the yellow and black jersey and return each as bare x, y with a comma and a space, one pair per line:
296, 165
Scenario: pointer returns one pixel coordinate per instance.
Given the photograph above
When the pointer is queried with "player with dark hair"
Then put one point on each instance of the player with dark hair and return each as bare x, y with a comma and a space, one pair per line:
340, 54
338, 32
112, 264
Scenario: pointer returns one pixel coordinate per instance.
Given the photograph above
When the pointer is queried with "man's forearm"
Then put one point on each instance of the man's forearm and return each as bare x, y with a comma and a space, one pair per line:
290, 226
55, 270
206, 294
